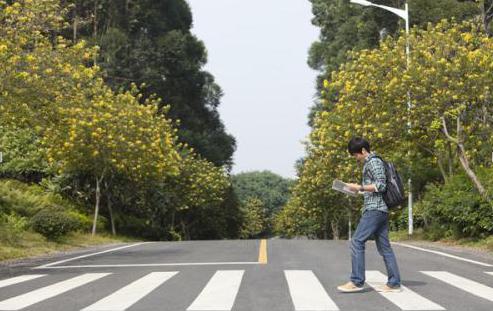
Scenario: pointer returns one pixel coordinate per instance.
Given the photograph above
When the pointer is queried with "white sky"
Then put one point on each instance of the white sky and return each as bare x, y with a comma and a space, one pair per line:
257, 51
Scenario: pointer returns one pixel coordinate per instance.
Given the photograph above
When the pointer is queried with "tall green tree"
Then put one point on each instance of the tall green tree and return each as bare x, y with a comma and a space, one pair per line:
272, 189
149, 42
261, 196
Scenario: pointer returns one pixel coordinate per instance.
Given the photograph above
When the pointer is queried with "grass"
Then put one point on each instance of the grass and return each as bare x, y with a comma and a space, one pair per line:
484, 244
31, 244
18, 203
402, 235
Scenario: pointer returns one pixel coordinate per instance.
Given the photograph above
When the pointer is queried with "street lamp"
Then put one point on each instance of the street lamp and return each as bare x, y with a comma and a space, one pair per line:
405, 15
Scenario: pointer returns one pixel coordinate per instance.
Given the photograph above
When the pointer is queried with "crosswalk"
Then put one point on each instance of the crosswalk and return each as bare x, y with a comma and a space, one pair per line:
306, 291
130, 294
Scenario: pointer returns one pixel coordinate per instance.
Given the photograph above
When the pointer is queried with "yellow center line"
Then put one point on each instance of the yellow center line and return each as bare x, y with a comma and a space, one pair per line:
262, 253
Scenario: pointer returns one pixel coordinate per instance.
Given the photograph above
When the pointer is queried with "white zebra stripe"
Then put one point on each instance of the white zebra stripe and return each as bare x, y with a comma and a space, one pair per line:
19, 279
307, 292
462, 283
130, 294
444, 254
220, 292
30, 298
406, 299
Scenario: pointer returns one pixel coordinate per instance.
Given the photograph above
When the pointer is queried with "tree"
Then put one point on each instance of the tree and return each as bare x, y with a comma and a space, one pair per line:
345, 27
450, 118
271, 189
149, 42
254, 218
83, 125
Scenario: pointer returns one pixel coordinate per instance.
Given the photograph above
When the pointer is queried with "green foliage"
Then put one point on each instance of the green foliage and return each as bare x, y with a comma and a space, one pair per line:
26, 200
348, 27
273, 190
152, 43
254, 218
20, 202
54, 223
455, 209
23, 156
295, 220
345, 27
449, 83
12, 227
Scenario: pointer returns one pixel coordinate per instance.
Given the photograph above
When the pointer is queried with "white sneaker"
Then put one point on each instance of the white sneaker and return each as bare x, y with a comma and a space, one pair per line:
387, 289
349, 287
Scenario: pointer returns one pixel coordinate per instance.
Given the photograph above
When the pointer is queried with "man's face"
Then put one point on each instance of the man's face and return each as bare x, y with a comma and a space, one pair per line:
360, 157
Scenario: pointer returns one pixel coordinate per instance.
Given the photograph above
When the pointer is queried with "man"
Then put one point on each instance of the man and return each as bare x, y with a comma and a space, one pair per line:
374, 221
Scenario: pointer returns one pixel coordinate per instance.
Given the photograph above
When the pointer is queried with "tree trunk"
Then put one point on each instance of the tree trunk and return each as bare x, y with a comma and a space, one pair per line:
109, 205
75, 25
173, 220
112, 219
463, 157
450, 160
186, 236
465, 164
442, 169
95, 20
96, 208
334, 224
488, 16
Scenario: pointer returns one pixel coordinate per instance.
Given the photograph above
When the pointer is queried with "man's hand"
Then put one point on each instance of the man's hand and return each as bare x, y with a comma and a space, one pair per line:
354, 187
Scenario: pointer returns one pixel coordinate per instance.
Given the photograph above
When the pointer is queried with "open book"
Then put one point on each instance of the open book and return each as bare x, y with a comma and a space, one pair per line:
342, 187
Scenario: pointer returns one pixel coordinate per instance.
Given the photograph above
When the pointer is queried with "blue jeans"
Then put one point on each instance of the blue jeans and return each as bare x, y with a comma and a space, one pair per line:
373, 223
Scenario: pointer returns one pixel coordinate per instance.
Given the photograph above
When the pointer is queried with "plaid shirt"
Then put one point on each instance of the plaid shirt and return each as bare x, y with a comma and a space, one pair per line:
374, 174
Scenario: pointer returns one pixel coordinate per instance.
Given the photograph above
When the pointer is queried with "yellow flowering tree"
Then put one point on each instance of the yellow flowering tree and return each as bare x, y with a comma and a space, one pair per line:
84, 125
448, 125
199, 189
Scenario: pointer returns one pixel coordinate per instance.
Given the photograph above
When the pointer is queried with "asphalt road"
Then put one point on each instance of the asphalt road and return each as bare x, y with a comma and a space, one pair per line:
227, 275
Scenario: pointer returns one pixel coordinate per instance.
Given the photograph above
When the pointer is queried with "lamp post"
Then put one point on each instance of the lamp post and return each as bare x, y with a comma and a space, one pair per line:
404, 14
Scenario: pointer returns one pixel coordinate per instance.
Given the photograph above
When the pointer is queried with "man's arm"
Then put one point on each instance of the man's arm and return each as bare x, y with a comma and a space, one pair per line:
365, 188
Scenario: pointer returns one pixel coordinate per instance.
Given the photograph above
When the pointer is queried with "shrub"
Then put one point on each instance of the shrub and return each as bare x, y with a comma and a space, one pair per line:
54, 223
12, 227
455, 209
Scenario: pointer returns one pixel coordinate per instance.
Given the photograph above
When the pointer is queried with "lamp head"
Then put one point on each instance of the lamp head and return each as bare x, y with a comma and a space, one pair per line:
362, 2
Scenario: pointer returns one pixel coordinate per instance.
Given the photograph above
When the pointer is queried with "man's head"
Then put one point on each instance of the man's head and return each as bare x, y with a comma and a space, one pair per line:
359, 148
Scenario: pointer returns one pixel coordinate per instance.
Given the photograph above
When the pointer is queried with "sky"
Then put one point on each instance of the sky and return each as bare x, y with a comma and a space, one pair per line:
257, 51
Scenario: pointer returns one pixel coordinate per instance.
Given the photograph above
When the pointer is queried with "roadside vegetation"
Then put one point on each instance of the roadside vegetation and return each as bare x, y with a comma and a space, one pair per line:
91, 147
444, 141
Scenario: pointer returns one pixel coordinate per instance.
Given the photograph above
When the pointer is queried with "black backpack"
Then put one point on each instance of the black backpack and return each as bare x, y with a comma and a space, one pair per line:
394, 194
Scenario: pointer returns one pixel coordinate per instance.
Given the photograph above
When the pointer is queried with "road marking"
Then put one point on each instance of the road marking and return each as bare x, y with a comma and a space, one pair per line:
30, 298
262, 253
19, 279
220, 292
155, 265
406, 299
132, 293
445, 254
490, 273
464, 284
88, 255
307, 292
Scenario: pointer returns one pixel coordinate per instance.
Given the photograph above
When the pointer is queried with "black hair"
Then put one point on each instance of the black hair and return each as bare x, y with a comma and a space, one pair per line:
356, 145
